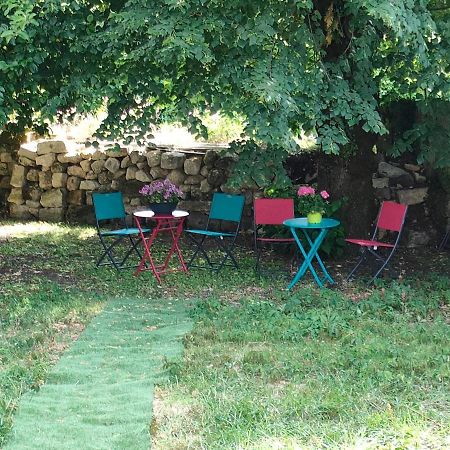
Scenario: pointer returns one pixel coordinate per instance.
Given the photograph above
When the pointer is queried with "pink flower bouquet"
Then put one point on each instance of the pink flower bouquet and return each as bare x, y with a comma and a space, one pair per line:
310, 201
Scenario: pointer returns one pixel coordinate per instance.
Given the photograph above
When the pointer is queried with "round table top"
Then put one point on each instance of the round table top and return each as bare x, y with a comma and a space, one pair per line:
178, 213
302, 222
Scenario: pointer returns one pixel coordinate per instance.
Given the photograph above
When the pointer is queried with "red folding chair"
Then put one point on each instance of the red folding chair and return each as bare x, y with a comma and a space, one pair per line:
391, 218
270, 211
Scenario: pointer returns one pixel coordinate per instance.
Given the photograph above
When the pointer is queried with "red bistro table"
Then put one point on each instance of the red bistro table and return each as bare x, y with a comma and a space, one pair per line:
165, 223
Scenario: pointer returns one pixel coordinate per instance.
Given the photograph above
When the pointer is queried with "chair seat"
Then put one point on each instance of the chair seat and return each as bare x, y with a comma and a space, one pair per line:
124, 232
369, 243
263, 239
210, 233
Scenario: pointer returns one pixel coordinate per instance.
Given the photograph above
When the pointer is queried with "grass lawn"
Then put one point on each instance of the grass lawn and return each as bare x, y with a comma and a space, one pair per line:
263, 368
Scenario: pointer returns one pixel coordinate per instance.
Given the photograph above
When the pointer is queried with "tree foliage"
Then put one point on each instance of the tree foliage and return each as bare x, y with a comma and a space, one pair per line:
284, 65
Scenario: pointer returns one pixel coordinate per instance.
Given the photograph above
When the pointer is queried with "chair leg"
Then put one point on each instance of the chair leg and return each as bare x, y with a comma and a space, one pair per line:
444, 241
130, 251
199, 249
361, 259
228, 254
108, 253
381, 268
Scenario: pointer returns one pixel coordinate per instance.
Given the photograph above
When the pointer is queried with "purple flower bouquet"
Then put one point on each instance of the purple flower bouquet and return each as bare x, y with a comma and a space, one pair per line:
162, 196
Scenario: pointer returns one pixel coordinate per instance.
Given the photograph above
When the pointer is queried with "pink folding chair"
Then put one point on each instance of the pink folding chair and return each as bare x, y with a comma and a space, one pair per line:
391, 218
270, 211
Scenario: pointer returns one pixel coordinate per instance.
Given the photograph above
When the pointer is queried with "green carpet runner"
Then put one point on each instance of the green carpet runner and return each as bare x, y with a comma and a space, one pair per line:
99, 395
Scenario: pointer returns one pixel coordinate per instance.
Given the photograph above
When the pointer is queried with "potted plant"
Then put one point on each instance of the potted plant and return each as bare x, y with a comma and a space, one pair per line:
312, 204
162, 196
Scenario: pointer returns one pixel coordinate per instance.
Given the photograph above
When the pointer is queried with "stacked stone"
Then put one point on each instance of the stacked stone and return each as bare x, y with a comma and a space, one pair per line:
405, 184
48, 183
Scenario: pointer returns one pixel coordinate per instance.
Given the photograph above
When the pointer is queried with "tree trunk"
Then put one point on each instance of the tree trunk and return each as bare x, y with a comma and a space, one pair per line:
351, 177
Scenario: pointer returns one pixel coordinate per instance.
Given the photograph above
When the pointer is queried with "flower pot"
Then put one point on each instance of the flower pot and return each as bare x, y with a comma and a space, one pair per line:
163, 208
314, 217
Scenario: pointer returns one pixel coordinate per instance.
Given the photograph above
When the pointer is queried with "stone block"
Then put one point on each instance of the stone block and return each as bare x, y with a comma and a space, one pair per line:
16, 196
142, 175
18, 176
98, 154
193, 179
136, 157
157, 173
33, 204
76, 171
76, 197
112, 164
154, 158
27, 162
89, 185
210, 158
205, 187
6, 157
119, 173
116, 152
172, 160
73, 183
27, 151
177, 177
131, 173
69, 159
142, 165
126, 162
204, 171
403, 181
86, 165
388, 170
412, 167
193, 165
58, 167
45, 180
51, 214
49, 147
105, 178
412, 196
91, 176
5, 182
20, 212
380, 183
59, 180
35, 194
225, 162
4, 169
216, 177
45, 160
53, 198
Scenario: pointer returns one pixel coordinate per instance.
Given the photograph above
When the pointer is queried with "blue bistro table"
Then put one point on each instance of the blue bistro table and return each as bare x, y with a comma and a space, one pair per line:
307, 228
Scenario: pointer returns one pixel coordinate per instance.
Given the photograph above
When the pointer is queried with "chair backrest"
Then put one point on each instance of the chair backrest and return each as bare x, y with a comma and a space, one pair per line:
108, 206
227, 207
392, 216
272, 211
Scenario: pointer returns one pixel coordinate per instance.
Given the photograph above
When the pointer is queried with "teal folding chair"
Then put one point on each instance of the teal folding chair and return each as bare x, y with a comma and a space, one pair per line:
109, 207
225, 208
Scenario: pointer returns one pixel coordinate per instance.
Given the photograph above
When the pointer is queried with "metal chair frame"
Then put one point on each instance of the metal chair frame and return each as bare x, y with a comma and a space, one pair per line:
371, 246
219, 212
116, 212
270, 211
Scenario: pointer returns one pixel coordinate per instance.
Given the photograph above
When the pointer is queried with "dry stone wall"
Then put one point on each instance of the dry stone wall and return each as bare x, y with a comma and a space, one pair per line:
54, 181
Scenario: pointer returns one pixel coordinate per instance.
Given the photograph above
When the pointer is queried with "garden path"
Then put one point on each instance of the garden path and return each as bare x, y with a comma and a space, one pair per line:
99, 395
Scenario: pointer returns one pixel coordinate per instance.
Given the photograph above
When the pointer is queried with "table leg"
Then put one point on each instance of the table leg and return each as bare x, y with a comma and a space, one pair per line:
319, 259
147, 243
307, 263
176, 234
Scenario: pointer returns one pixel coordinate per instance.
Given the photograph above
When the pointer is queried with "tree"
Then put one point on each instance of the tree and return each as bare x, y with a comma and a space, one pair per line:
285, 66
